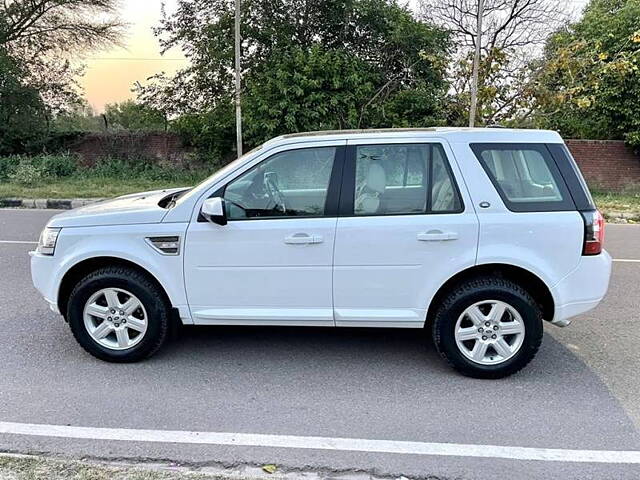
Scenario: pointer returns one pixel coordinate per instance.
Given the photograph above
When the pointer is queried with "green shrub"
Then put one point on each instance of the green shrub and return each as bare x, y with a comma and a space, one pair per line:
8, 166
212, 133
110, 168
36, 171
141, 169
58, 165
27, 174
20, 168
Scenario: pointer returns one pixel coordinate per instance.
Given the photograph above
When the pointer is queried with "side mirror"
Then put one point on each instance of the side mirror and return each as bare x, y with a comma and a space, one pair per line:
213, 210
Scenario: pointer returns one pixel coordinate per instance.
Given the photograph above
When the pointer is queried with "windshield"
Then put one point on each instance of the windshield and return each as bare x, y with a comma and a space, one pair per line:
229, 166
218, 174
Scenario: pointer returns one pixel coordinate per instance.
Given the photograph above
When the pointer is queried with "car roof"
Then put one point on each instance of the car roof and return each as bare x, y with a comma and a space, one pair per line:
452, 134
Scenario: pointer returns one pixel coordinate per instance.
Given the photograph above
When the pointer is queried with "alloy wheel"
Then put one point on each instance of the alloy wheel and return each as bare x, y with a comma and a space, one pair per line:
489, 332
115, 318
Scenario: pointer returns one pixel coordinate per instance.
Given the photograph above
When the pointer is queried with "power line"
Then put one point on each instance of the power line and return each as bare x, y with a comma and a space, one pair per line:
139, 59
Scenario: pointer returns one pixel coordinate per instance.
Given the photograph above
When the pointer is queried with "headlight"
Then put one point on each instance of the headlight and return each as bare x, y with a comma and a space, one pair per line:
47, 242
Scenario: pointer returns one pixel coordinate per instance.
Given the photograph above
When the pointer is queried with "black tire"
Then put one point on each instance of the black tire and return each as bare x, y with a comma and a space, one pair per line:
139, 284
477, 290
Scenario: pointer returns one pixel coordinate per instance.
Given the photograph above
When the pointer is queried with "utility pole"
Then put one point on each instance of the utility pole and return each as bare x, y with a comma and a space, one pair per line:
238, 84
476, 67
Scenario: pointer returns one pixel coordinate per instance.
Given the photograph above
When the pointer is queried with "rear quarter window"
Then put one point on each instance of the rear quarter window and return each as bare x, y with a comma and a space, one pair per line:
525, 175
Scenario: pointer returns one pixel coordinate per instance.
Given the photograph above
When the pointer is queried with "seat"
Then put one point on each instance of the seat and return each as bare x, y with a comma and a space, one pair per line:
369, 193
443, 196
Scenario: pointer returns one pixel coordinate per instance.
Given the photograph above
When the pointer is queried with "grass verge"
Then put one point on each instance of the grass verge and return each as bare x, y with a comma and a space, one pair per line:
104, 187
625, 202
60, 176
36, 468
28, 467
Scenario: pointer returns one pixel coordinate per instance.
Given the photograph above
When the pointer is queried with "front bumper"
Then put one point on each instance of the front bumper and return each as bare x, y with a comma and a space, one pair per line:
583, 289
44, 278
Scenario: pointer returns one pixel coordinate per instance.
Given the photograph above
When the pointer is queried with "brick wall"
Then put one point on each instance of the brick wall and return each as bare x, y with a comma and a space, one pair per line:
155, 147
606, 163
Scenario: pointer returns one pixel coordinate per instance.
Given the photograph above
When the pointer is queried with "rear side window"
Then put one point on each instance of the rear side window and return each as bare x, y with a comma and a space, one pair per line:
401, 179
572, 175
525, 175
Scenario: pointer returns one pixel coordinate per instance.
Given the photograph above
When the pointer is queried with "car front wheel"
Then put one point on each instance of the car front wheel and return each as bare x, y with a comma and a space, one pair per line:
118, 314
488, 328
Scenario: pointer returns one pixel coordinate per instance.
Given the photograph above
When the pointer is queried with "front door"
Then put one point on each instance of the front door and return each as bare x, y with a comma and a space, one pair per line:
406, 226
272, 262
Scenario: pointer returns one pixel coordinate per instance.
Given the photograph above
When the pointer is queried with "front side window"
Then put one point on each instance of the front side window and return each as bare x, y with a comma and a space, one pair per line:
404, 179
288, 184
525, 175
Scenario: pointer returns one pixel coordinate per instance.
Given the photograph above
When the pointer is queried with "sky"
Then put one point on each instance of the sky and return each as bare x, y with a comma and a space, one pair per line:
110, 75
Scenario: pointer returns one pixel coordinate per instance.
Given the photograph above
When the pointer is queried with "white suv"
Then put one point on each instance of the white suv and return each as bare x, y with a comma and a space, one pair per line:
476, 234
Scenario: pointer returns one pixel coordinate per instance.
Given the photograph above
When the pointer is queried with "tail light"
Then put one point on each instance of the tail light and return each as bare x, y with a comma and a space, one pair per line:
593, 232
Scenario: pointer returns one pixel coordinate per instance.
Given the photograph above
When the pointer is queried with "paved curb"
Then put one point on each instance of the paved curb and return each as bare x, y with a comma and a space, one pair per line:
47, 203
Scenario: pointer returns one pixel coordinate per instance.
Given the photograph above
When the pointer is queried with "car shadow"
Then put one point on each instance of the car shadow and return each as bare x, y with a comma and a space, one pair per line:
362, 383
356, 372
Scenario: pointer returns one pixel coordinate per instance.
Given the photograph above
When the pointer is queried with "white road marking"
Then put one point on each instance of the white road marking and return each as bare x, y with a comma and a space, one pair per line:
626, 260
323, 443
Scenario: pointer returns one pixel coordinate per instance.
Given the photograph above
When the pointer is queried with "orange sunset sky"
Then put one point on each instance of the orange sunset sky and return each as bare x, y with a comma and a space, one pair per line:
110, 75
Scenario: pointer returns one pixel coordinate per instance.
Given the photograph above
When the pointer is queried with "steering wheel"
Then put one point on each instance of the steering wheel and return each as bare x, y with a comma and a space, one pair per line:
276, 196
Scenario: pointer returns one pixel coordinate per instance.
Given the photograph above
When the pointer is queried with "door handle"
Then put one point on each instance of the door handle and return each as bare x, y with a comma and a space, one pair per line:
303, 239
437, 236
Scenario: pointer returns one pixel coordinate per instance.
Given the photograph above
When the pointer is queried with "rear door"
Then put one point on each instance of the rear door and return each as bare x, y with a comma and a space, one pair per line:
530, 217
406, 225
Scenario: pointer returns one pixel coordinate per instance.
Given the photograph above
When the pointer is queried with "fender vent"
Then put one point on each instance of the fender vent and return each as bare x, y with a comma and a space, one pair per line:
165, 245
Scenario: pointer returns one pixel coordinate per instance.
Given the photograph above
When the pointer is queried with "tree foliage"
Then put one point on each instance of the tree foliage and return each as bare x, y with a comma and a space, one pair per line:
81, 118
44, 35
512, 32
133, 116
306, 65
23, 120
589, 83
66, 25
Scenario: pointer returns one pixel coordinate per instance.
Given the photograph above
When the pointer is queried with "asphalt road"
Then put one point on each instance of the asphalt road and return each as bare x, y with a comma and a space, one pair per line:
580, 393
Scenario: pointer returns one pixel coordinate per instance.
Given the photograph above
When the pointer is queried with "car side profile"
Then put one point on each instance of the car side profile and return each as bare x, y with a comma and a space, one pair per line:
477, 235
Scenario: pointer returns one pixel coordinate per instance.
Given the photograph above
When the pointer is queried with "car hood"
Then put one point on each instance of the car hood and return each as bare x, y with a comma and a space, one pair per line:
126, 210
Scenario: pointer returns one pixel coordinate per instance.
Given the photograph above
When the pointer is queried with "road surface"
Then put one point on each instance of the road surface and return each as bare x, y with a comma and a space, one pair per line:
579, 394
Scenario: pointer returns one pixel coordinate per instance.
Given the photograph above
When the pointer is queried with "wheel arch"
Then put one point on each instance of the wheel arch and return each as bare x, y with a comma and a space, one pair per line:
74, 274
531, 282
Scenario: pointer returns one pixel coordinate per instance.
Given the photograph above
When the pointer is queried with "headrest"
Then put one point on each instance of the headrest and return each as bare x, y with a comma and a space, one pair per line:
376, 178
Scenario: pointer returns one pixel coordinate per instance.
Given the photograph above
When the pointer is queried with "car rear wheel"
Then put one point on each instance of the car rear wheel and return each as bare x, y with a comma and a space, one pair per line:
118, 314
488, 328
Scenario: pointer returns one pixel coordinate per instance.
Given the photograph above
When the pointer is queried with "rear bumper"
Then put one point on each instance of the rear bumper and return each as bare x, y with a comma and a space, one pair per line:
583, 289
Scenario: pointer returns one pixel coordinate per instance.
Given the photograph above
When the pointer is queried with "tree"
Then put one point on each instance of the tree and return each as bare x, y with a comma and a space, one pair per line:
42, 35
589, 82
23, 119
306, 64
69, 25
80, 118
133, 116
512, 31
